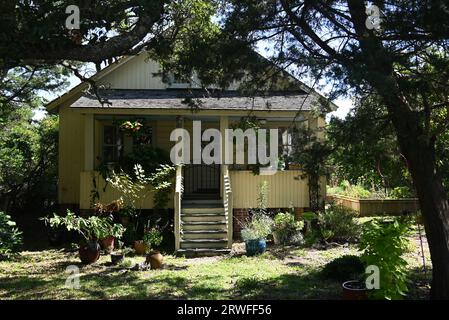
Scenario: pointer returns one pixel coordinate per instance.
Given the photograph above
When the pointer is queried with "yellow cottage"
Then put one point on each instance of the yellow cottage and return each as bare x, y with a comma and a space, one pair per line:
208, 200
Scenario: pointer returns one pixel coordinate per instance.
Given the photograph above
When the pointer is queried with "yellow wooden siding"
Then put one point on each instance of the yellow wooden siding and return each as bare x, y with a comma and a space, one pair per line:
162, 133
71, 155
137, 73
107, 192
283, 189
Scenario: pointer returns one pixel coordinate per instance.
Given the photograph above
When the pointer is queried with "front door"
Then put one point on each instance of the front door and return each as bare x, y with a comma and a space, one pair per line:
202, 179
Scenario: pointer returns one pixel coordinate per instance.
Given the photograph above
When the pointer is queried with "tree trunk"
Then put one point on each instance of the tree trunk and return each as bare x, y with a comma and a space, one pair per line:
434, 205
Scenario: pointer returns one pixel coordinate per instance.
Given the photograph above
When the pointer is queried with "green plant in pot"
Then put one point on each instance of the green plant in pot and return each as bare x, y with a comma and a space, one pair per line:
90, 229
254, 233
153, 238
286, 229
109, 233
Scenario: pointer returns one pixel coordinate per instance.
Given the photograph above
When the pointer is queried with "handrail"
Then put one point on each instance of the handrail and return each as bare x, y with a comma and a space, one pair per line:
177, 206
227, 202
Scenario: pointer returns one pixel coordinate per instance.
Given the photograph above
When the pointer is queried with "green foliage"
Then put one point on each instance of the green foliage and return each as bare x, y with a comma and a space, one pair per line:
28, 161
286, 228
383, 244
311, 153
349, 190
348, 267
10, 236
359, 192
91, 229
115, 230
149, 158
338, 224
262, 197
401, 193
152, 237
365, 146
259, 226
162, 183
134, 190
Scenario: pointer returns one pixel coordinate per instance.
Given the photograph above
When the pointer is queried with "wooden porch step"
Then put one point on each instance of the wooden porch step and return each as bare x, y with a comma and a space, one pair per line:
202, 252
216, 210
195, 204
204, 243
206, 217
203, 225
204, 234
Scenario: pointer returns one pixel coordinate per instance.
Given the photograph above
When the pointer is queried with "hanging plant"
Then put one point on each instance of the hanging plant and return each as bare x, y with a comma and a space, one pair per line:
130, 127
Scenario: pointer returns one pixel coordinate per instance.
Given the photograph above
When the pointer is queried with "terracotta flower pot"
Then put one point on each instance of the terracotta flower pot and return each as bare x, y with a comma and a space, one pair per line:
155, 258
140, 247
89, 253
107, 243
354, 290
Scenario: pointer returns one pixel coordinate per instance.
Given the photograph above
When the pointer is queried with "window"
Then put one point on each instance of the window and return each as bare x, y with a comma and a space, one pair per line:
112, 144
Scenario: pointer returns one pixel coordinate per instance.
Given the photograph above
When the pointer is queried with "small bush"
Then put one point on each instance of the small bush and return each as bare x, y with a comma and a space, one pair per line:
258, 227
401, 193
10, 236
349, 190
383, 244
348, 267
286, 229
338, 224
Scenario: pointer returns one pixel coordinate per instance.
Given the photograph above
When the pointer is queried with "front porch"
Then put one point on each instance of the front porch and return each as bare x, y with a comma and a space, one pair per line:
205, 197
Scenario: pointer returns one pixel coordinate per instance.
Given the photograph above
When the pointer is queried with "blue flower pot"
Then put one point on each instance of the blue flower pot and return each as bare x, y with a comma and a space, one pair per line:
255, 247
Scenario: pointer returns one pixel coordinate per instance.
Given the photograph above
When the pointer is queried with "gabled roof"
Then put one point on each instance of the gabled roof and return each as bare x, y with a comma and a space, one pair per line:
186, 99
304, 98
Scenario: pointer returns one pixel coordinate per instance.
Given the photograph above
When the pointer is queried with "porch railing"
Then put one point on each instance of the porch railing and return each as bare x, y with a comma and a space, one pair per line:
227, 202
177, 206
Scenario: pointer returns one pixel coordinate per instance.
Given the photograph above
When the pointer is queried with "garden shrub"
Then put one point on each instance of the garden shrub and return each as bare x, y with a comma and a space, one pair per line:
350, 190
338, 224
258, 227
401, 193
286, 229
10, 236
348, 267
383, 245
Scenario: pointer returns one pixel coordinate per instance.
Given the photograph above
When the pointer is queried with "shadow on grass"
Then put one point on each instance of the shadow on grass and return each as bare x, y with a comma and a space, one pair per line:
287, 286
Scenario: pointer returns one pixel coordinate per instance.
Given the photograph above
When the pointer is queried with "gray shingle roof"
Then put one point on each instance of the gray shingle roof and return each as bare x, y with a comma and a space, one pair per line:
182, 99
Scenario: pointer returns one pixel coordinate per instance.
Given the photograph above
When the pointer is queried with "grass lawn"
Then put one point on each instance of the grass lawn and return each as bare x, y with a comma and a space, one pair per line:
280, 273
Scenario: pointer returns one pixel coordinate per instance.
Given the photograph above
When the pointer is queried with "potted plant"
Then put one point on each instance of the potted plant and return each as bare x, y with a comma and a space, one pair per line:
108, 234
285, 228
255, 232
90, 230
152, 239
140, 247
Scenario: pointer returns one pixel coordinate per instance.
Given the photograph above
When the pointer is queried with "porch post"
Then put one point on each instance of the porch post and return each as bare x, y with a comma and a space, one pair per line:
224, 124
89, 138
178, 195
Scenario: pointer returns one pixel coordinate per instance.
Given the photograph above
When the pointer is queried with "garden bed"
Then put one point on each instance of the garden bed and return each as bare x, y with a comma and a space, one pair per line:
377, 207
